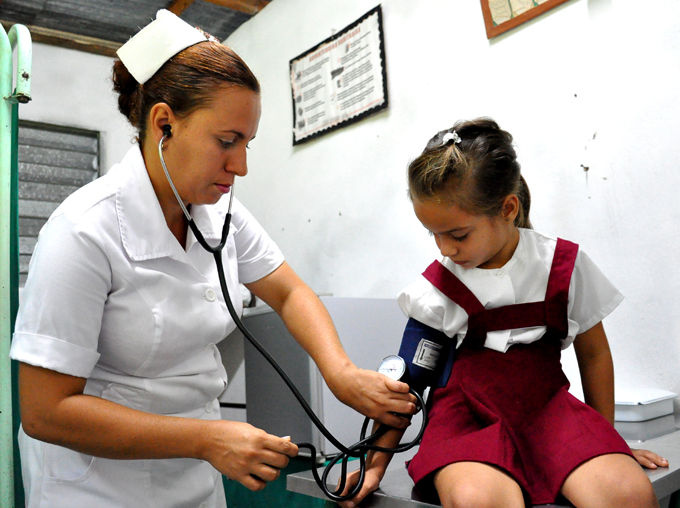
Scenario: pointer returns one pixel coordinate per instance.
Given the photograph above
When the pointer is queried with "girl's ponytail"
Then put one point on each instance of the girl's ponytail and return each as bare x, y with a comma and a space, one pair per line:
522, 219
473, 165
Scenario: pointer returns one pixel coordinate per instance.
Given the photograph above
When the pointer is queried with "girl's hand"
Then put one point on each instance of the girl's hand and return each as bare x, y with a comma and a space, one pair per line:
371, 483
374, 395
376, 465
246, 454
648, 459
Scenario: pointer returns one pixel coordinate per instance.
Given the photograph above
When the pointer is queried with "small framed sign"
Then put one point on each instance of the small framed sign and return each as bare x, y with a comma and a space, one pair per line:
341, 80
502, 15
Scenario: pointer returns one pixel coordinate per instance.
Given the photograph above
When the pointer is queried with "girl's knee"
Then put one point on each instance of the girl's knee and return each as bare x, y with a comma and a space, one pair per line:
473, 496
480, 495
628, 487
634, 493
612, 481
477, 485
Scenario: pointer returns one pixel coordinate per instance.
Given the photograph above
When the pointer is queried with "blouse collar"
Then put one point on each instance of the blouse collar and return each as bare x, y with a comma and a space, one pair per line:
143, 229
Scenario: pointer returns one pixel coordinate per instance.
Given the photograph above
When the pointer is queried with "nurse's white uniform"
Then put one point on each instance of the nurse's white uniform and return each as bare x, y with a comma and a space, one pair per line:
111, 296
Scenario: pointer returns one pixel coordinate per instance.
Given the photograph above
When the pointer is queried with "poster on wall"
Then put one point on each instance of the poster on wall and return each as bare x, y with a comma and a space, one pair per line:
341, 80
502, 15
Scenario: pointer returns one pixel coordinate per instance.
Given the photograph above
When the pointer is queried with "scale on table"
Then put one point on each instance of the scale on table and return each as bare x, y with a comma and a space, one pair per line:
644, 413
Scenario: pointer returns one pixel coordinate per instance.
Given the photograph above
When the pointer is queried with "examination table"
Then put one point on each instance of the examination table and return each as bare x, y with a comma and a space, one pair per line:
396, 489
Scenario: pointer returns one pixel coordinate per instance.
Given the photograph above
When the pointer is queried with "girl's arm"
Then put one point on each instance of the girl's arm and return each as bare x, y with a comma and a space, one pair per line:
308, 321
55, 410
376, 465
597, 377
597, 370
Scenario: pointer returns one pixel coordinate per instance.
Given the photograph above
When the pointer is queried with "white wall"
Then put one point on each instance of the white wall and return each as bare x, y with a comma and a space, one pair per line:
74, 89
591, 83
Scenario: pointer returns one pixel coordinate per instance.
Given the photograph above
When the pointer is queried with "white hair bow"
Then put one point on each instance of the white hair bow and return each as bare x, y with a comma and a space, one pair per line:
451, 136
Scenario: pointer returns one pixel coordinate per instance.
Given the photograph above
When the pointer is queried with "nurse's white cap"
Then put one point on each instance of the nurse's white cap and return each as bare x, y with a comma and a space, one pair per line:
156, 43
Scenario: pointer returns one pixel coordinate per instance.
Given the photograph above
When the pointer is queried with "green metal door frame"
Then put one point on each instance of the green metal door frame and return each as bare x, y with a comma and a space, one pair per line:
19, 38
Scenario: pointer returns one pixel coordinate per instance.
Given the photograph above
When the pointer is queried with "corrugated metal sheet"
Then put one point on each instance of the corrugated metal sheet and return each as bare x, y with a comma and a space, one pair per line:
115, 20
53, 163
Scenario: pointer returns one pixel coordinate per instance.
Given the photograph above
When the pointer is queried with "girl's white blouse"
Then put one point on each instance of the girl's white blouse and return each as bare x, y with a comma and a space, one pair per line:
523, 279
113, 297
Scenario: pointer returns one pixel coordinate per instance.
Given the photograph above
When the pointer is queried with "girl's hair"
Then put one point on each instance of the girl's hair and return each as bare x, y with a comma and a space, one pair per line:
475, 167
186, 82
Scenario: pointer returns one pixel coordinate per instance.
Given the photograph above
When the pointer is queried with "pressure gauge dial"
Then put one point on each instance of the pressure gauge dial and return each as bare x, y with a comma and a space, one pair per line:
393, 366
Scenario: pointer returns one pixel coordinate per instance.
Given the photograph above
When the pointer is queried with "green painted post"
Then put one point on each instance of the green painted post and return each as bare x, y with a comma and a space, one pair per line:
19, 495
6, 446
20, 38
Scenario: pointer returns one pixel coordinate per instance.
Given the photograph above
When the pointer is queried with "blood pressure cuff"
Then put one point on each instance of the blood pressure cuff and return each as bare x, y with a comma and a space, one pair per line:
428, 354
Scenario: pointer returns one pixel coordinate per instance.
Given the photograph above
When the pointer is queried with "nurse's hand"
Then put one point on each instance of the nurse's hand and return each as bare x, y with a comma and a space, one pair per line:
246, 454
374, 395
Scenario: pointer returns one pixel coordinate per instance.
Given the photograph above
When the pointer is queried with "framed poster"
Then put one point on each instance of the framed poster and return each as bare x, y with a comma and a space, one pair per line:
502, 15
340, 80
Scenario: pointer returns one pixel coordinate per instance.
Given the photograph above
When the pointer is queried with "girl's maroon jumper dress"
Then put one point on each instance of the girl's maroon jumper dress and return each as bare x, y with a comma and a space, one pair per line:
513, 409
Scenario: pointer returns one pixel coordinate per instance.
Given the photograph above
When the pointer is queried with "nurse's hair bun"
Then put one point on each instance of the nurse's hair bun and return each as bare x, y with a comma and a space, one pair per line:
128, 91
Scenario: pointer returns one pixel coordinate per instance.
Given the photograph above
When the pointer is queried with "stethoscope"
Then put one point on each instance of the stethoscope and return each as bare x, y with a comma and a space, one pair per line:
358, 449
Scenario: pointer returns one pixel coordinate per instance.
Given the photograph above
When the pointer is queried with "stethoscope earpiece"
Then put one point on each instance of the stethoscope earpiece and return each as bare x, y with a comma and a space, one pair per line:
167, 131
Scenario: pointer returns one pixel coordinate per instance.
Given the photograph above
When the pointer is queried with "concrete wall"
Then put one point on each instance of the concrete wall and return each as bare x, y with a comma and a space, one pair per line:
591, 84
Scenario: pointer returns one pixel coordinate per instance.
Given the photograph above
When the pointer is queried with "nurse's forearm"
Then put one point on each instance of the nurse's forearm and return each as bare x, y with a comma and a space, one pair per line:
305, 317
54, 410
308, 321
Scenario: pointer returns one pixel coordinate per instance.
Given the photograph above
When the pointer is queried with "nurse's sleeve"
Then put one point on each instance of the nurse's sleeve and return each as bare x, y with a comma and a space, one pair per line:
592, 296
257, 254
62, 304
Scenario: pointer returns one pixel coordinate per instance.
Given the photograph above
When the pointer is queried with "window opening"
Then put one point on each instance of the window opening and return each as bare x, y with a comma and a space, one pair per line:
54, 162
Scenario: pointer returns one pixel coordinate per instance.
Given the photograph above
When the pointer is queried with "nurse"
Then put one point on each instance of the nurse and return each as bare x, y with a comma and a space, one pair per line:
119, 373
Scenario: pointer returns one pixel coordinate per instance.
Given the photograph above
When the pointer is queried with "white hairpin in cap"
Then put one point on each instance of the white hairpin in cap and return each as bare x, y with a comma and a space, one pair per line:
451, 136
156, 43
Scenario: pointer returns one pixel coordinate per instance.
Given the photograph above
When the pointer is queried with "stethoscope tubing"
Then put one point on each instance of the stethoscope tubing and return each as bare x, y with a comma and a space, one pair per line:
357, 450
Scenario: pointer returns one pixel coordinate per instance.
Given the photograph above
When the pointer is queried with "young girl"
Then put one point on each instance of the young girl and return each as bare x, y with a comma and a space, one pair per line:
504, 431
